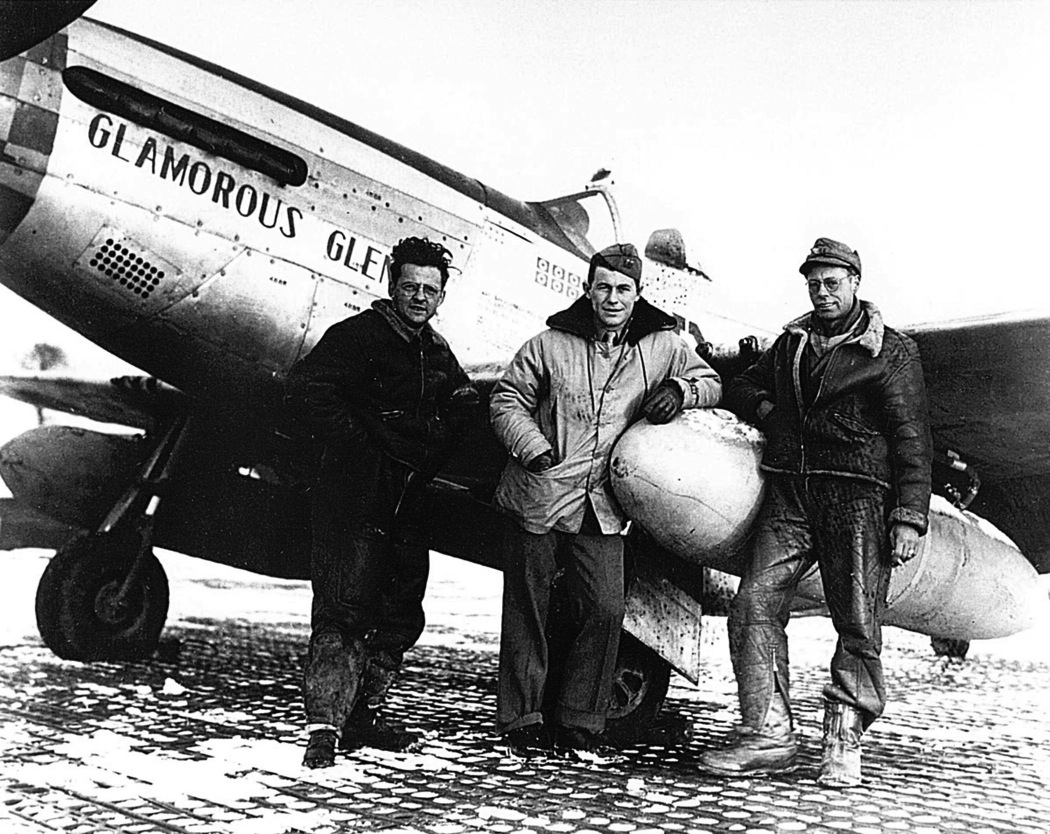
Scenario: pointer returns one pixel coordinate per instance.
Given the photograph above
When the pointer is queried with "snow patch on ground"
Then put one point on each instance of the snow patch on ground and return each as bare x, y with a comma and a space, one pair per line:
112, 767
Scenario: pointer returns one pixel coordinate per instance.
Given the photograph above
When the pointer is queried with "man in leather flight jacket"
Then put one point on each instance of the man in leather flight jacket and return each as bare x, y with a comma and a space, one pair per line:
842, 402
383, 394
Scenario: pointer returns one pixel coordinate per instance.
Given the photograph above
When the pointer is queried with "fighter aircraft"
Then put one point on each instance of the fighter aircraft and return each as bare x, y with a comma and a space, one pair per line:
208, 230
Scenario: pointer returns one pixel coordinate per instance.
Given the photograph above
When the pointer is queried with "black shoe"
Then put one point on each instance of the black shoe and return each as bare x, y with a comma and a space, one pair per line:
584, 746
526, 742
366, 727
320, 749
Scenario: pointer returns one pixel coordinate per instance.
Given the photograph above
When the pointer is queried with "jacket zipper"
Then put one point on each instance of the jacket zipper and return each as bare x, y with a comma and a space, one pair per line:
804, 415
422, 380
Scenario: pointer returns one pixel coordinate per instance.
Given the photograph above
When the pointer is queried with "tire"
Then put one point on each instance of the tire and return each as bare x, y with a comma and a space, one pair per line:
640, 679
73, 611
639, 688
950, 647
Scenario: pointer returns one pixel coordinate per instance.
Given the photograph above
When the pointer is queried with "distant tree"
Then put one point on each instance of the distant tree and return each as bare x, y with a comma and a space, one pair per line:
43, 357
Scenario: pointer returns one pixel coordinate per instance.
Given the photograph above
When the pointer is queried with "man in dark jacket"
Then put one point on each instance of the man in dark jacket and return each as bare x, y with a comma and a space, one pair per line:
842, 402
382, 393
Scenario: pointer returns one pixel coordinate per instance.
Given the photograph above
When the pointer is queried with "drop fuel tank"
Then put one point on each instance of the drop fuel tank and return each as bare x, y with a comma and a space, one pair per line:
695, 485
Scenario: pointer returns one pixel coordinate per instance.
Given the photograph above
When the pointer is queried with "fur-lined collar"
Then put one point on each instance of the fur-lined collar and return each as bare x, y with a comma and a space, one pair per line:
578, 319
385, 308
870, 338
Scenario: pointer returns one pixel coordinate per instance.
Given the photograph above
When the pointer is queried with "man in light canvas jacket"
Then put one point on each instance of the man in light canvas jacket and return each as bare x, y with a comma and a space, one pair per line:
567, 396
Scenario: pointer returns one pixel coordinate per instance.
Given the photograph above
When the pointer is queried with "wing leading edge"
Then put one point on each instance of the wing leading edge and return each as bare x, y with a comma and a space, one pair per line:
988, 381
137, 402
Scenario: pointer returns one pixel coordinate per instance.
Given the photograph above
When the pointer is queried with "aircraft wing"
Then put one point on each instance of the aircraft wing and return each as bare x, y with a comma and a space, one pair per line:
988, 380
136, 402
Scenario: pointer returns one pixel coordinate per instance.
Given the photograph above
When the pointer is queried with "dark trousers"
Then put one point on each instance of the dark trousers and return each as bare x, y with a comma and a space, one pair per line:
593, 563
840, 524
369, 571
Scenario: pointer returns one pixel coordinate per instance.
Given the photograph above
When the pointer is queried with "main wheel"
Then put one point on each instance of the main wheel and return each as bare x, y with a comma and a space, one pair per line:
77, 611
639, 687
950, 647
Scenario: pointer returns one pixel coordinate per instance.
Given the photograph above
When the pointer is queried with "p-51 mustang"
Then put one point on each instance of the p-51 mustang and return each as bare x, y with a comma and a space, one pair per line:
208, 230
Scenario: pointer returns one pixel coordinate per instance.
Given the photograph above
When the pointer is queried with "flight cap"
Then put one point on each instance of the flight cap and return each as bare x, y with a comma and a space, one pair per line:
831, 253
620, 257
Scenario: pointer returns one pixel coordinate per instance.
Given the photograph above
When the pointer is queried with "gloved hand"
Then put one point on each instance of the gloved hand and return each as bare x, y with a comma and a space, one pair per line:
664, 403
541, 462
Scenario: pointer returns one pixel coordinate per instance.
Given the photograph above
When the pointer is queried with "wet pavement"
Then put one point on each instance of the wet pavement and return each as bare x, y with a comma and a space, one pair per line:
207, 736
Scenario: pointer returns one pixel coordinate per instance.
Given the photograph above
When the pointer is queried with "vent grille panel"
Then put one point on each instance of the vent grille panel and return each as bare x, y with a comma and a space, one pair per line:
126, 266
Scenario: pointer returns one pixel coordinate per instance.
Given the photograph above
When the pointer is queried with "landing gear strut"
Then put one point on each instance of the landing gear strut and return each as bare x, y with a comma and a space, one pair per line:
104, 595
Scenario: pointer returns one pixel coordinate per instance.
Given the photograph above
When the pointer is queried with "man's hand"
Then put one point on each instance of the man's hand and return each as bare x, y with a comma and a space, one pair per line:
541, 462
459, 409
904, 539
764, 409
664, 403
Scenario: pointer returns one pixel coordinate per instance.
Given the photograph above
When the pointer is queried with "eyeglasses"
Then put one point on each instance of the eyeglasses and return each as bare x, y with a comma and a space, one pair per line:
410, 291
830, 284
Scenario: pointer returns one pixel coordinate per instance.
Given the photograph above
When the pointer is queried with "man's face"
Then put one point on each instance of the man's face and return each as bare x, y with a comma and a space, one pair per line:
417, 293
612, 296
832, 290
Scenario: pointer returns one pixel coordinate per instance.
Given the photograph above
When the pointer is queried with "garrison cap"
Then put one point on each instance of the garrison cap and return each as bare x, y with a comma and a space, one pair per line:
620, 257
831, 253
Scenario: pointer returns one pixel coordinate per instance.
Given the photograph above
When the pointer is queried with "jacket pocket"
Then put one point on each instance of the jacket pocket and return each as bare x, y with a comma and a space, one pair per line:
854, 425
849, 430
538, 497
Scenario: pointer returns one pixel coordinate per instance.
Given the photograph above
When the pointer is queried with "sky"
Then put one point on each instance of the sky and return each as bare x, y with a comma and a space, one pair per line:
915, 132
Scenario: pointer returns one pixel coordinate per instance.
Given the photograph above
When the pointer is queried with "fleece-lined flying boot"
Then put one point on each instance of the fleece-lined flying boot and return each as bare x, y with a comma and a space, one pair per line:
840, 762
751, 752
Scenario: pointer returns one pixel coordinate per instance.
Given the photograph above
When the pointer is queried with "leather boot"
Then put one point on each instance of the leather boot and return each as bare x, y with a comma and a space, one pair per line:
840, 762
332, 678
320, 749
751, 752
366, 726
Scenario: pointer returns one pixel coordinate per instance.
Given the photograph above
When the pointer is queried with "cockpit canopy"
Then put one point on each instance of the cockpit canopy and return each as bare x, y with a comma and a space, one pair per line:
590, 220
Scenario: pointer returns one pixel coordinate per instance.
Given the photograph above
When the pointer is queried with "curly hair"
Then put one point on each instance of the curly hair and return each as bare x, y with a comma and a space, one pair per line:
421, 252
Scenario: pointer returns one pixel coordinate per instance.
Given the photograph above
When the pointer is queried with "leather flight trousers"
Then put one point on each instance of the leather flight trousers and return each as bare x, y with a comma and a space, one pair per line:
839, 524
594, 566
368, 580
